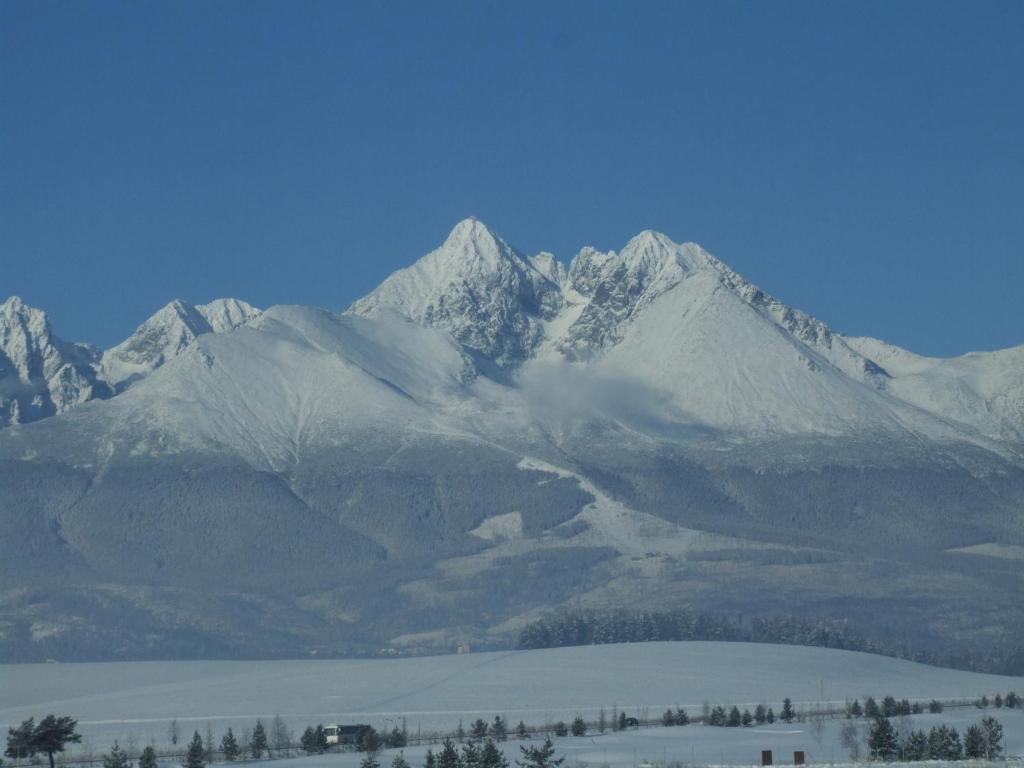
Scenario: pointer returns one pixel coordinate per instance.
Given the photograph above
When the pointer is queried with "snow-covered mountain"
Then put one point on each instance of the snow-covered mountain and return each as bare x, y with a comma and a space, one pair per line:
491, 298
166, 334
41, 375
641, 423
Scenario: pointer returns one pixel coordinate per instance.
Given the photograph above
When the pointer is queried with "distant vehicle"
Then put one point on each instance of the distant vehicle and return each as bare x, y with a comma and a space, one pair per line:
344, 734
632, 722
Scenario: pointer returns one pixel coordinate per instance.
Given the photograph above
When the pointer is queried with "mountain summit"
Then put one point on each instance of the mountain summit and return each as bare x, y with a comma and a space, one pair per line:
490, 297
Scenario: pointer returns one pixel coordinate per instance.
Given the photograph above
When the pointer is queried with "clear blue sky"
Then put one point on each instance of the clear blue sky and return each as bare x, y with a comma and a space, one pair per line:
862, 161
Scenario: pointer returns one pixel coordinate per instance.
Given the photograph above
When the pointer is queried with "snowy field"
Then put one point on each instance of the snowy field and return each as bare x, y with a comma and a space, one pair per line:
699, 745
138, 700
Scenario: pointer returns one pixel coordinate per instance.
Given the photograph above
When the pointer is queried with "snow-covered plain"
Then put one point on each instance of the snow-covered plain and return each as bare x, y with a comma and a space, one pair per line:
138, 700
703, 745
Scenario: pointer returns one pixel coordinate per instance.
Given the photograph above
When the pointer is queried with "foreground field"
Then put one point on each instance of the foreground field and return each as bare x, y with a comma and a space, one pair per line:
137, 701
699, 745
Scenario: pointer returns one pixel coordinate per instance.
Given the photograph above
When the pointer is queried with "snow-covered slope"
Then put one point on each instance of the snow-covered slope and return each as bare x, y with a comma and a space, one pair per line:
292, 379
984, 390
40, 375
164, 335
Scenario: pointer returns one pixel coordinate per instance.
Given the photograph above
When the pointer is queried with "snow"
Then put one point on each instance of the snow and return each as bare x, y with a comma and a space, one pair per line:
610, 523
116, 700
725, 356
167, 334
707, 746
477, 287
994, 549
500, 527
40, 375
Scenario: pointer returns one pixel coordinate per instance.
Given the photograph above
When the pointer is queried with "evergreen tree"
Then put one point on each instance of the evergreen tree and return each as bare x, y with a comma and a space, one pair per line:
882, 742
717, 716
915, 746
499, 731
148, 758
975, 745
309, 741
935, 706
579, 727
259, 740
369, 761
396, 739
760, 714
173, 733
770, 717
855, 709
539, 757
370, 741
747, 719
787, 711
993, 737
889, 707
460, 732
400, 761
19, 740
982, 703
448, 757
916, 709
478, 730
1012, 700
560, 729
903, 708
429, 761
944, 744
491, 756
998, 701
521, 731
681, 717
622, 721
470, 755
871, 709
117, 758
735, 718
229, 746
669, 718
52, 734
194, 757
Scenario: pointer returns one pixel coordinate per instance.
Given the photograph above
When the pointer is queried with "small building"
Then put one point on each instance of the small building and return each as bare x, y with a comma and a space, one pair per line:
345, 734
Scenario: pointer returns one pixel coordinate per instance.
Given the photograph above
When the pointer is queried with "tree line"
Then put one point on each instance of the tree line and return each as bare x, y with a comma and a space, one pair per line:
984, 740
622, 626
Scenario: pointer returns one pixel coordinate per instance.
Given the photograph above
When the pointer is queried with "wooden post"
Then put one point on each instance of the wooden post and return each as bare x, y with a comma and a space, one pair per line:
798, 757
766, 757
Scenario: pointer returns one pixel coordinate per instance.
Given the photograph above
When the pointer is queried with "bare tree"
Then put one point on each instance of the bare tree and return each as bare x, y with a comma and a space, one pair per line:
816, 725
173, 733
851, 738
280, 735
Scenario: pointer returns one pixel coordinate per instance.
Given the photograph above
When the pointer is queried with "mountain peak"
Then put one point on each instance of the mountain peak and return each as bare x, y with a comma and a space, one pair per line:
13, 304
475, 286
471, 229
470, 248
40, 375
166, 333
